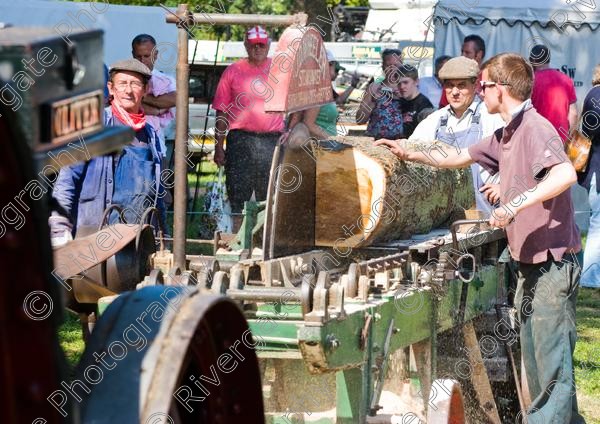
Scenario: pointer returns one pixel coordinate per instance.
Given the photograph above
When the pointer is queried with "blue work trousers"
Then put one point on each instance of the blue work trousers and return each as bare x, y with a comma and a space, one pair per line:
591, 257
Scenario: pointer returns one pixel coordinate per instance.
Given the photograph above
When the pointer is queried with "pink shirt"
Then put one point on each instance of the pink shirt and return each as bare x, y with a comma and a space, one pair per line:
242, 91
158, 85
552, 94
522, 152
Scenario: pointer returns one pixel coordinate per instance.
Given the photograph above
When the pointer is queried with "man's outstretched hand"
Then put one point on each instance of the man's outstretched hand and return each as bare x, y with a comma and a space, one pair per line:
394, 147
491, 192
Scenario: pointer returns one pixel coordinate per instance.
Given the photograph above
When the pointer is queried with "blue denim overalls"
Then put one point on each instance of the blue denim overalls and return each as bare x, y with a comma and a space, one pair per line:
129, 179
136, 177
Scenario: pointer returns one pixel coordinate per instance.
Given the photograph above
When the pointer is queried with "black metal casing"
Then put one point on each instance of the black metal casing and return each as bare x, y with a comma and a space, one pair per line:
43, 75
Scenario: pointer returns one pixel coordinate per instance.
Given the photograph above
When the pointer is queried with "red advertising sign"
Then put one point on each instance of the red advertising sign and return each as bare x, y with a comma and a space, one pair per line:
299, 71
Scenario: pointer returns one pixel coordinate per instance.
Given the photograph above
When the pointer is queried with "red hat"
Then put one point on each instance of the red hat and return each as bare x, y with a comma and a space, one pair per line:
257, 35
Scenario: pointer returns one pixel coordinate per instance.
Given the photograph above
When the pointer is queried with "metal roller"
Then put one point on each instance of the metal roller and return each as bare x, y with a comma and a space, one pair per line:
220, 283
129, 266
205, 269
92, 271
353, 275
267, 294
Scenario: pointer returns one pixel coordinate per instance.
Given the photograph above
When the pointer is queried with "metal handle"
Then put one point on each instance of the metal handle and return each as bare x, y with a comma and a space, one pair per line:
456, 224
106, 215
459, 264
147, 217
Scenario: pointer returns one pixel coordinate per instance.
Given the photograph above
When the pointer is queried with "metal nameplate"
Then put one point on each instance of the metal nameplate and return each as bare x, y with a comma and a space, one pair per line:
76, 116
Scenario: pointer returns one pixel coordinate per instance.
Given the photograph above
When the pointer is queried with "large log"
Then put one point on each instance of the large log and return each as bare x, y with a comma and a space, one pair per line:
357, 196
364, 194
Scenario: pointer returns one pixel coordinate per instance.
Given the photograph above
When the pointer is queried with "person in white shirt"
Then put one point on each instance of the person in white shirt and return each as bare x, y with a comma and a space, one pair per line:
463, 122
159, 100
431, 87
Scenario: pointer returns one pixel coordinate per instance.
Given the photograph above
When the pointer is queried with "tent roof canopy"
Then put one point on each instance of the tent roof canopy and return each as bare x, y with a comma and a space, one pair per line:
545, 13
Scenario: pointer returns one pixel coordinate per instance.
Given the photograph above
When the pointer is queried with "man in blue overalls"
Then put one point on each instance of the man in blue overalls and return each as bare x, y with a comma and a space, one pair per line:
129, 179
463, 122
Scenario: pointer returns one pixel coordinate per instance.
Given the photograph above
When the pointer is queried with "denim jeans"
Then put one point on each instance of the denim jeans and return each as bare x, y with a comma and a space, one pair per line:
591, 258
545, 298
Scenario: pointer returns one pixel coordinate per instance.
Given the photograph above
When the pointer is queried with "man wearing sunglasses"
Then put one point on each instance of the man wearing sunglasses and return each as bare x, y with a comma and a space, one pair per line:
537, 211
464, 121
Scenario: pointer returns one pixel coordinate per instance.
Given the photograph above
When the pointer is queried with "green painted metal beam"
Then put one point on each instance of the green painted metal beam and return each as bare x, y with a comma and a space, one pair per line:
412, 312
417, 314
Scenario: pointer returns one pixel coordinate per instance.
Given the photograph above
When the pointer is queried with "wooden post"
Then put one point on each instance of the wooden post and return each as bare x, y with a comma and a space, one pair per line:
479, 376
422, 356
525, 386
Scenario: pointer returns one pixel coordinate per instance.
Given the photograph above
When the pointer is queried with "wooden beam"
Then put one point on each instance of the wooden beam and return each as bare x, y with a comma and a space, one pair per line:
479, 376
525, 386
421, 353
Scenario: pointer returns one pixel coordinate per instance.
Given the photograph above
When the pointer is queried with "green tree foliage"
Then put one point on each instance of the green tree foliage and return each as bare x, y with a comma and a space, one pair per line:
350, 3
313, 8
228, 32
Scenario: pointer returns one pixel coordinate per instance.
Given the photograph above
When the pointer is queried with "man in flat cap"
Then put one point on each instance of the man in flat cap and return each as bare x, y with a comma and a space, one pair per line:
473, 47
537, 211
129, 179
464, 121
251, 132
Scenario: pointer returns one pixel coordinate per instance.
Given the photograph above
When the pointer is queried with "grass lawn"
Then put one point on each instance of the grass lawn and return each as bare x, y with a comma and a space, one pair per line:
69, 334
207, 174
587, 354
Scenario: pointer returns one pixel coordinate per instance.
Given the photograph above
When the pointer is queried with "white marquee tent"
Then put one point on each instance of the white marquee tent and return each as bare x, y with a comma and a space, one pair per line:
569, 28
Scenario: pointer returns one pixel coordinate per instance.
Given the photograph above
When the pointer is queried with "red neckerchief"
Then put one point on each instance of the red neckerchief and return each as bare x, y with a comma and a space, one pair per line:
137, 121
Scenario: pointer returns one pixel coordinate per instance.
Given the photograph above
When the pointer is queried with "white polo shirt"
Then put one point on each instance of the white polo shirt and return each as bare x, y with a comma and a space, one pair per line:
489, 123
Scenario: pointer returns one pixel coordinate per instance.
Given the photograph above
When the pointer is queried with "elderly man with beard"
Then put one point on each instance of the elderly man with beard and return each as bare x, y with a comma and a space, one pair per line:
129, 179
251, 132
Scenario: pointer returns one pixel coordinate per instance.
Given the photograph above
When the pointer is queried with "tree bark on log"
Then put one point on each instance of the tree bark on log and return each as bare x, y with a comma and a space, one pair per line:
365, 194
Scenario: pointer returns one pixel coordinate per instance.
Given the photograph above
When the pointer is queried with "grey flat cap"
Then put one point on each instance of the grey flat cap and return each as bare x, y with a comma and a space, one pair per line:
131, 65
459, 68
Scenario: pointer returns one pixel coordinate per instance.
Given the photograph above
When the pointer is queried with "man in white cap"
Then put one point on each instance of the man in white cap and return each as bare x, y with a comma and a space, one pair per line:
463, 122
251, 133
